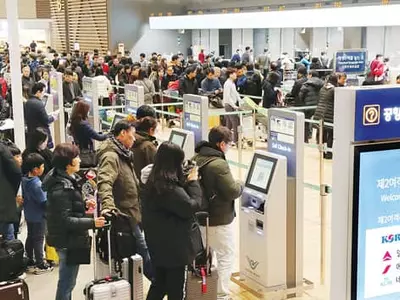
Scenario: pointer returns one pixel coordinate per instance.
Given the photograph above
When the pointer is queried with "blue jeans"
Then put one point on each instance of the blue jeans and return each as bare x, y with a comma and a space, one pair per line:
66, 277
7, 231
143, 251
34, 241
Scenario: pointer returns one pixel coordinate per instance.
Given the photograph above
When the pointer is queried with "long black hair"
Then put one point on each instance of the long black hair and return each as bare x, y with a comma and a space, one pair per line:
167, 169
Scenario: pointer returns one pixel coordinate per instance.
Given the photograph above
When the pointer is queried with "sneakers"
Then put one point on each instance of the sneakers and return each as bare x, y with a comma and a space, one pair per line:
30, 266
43, 268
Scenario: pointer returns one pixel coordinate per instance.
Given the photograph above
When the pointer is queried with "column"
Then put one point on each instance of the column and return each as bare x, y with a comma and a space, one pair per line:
352, 37
392, 44
15, 61
196, 42
237, 40
375, 41
335, 40
275, 43
247, 38
214, 41
260, 41
288, 40
205, 40
318, 40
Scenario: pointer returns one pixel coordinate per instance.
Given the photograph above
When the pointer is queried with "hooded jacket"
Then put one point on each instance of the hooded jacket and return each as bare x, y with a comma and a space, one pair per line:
217, 180
188, 86
326, 106
67, 223
168, 221
309, 93
34, 199
144, 150
118, 186
10, 179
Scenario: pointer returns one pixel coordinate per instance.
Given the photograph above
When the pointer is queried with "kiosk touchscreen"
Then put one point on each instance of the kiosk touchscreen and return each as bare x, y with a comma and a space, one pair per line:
263, 224
184, 139
117, 117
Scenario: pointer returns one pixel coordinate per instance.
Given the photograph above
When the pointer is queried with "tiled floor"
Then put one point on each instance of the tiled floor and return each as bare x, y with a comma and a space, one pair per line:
43, 287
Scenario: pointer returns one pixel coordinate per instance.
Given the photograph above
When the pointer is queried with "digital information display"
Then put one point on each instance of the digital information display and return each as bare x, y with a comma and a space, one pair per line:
282, 141
117, 118
192, 119
261, 173
131, 98
376, 254
177, 139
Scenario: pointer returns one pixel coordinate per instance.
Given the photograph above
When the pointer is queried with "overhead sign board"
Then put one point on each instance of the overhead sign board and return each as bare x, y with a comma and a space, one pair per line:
351, 61
377, 115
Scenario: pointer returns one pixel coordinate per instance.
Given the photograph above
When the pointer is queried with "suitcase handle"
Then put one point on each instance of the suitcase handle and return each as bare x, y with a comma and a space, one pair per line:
107, 227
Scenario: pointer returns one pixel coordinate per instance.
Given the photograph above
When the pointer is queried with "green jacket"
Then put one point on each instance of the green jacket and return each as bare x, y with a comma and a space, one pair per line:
217, 180
118, 186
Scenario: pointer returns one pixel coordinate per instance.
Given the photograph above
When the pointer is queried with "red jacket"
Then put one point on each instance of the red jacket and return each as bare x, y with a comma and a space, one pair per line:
3, 88
202, 57
377, 68
106, 68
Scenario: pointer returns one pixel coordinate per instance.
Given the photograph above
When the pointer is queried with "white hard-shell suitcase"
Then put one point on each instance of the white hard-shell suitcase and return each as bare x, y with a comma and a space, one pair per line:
109, 288
132, 270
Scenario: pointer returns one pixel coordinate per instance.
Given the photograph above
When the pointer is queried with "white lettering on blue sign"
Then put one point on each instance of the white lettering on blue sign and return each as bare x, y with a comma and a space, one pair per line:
392, 114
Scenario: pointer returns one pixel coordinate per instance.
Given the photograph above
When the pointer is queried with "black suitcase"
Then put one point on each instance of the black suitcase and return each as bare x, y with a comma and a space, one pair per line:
11, 259
202, 280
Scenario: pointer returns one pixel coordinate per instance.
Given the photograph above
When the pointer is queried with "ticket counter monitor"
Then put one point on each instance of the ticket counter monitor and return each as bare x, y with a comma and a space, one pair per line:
263, 224
184, 139
117, 117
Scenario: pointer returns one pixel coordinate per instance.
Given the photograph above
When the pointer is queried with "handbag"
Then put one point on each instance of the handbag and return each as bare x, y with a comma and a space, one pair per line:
88, 158
11, 259
196, 247
80, 256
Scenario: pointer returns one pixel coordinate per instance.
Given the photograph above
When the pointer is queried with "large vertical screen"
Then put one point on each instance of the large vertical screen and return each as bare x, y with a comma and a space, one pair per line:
376, 226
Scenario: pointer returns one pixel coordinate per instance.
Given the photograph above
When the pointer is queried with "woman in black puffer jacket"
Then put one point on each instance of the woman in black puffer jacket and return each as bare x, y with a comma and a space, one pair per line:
325, 110
169, 202
66, 220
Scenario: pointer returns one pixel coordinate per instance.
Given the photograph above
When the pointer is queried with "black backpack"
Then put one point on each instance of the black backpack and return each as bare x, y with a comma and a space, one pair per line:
12, 263
252, 85
208, 196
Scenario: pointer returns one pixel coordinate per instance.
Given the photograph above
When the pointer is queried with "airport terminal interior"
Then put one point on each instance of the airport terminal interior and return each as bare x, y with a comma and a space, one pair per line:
287, 113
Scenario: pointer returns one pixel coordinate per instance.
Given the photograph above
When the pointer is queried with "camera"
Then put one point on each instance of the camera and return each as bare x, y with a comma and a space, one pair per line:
188, 166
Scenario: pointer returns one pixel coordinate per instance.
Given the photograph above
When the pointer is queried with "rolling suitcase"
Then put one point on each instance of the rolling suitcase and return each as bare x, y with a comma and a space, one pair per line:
14, 290
202, 278
132, 270
108, 288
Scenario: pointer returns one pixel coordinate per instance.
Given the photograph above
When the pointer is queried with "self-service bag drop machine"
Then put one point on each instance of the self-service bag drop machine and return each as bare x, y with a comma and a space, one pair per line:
184, 139
263, 224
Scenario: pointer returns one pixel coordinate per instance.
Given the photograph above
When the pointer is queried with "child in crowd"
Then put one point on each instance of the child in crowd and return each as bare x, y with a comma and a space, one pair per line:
34, 207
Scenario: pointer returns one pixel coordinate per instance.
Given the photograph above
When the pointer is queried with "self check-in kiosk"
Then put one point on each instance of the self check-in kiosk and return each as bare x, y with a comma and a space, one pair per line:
117, 117
184, 139
263, 224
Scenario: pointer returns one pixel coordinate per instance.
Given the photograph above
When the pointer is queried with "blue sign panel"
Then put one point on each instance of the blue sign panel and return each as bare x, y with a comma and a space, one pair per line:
377, 114
282, 141
377, 199
351, 61
192, 120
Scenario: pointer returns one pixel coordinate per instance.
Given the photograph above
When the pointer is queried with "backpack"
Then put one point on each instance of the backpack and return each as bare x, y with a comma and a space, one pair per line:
251, 86
208, 196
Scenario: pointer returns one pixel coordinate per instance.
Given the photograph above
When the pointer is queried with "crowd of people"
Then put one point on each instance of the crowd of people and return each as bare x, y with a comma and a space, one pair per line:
136, 177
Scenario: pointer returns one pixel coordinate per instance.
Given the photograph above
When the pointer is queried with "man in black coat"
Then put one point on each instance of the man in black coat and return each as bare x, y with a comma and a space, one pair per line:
36, 115
10, 179
71, 89
301, 79
188, 83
